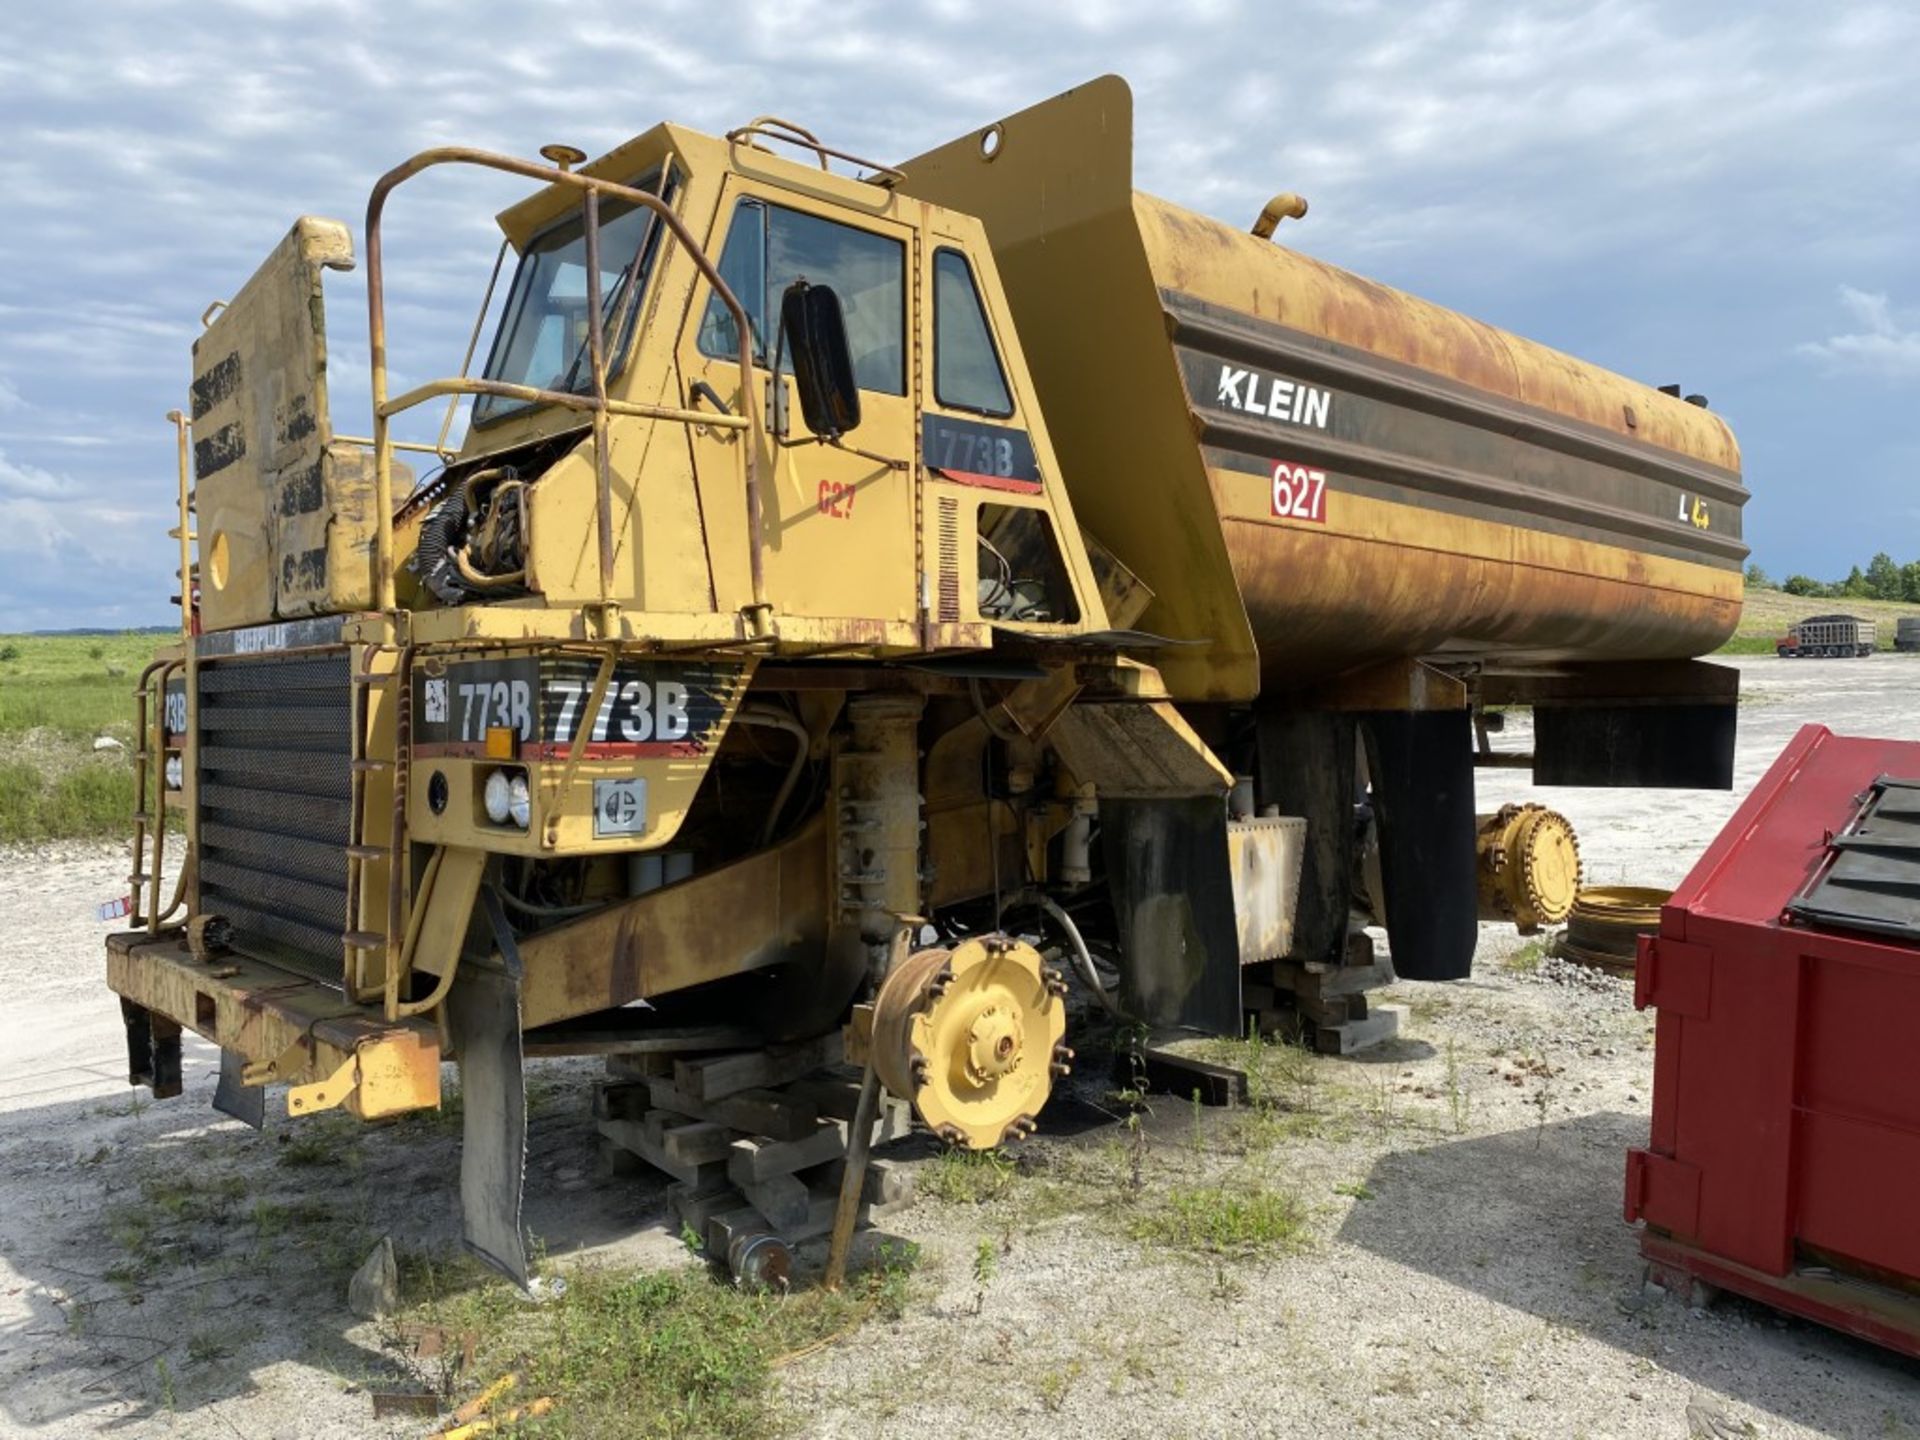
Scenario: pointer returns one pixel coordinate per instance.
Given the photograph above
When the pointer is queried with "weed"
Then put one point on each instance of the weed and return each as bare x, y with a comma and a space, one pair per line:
1222, 1221
9, 652
269, 1220
1136, 1151
1226, 1286
1380, 1104
1542, 1071
165, 1378
207, 1347
189, 1195
1459, 1102
1526, 960
1135, 1366
677, 1354
969, 1177
985, 1260
310, 1145
1354, 1189
1053, 1385
891, 1278
692, 1239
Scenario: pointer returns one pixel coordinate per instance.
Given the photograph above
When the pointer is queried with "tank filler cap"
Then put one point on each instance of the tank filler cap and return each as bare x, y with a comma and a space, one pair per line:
1284, 206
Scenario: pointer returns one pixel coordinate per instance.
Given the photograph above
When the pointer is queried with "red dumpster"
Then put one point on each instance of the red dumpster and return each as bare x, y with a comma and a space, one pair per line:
1784, 1159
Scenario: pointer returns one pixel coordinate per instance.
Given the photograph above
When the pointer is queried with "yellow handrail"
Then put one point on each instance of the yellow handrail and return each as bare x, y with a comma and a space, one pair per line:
593, 189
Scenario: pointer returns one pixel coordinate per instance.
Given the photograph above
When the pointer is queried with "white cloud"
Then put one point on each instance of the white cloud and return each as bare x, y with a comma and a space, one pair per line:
28, 480
1552, 164
1884, 343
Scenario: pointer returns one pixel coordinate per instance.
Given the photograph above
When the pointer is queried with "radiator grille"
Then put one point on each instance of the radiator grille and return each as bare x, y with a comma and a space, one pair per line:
275, 801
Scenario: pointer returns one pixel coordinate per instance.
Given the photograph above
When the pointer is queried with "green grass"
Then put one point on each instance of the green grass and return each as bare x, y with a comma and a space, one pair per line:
968, 1177
87, 796
1748, 645
1526, 960
679, 1354
1766, 614
1236, 1219
68, 683
58, 693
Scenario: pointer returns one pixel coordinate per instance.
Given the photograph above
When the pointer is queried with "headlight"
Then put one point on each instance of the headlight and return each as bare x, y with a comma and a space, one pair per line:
508, 797
497, 797
176, 770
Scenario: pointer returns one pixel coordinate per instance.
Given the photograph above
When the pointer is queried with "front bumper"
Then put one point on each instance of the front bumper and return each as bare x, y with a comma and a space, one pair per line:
286, 1028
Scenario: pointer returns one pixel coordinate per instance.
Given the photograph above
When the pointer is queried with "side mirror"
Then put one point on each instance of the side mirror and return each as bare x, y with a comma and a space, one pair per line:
822, 359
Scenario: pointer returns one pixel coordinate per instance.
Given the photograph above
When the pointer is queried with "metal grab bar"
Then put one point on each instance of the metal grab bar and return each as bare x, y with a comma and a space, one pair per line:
594, 189
507, 390
772, 127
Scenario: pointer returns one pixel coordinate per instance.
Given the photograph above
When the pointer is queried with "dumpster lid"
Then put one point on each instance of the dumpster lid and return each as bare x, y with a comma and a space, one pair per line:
1871, 877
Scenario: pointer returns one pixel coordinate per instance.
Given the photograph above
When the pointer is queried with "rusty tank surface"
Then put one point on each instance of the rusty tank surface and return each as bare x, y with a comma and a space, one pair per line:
1315, 472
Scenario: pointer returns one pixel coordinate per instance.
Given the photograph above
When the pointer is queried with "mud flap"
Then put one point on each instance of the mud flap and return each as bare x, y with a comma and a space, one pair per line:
153, 1050
1173, 895
1422, 768
233, 1096
483, 1022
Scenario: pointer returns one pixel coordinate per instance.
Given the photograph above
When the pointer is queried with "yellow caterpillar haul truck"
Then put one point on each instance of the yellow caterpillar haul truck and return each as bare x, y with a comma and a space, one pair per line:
850, 592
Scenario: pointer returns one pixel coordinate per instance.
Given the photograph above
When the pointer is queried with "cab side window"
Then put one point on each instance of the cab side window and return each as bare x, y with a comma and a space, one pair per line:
966, 369
743, 265
769, 247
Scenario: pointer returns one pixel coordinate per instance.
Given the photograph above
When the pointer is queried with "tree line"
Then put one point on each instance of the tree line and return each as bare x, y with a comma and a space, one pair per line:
1883, 579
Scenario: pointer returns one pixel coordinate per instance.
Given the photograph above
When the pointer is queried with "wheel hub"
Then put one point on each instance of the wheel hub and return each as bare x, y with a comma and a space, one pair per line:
971, 1035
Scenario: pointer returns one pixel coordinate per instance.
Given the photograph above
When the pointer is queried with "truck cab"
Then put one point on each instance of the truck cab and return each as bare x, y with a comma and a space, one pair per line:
870, 536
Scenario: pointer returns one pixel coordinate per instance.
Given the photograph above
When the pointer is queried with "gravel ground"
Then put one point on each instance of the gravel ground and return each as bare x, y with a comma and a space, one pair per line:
1460, 1265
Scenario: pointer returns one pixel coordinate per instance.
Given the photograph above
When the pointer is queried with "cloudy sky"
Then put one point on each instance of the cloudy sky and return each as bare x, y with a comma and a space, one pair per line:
1720, 194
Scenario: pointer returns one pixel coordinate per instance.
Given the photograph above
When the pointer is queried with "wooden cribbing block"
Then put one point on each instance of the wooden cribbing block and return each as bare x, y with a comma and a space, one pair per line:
888, 1182
621, 1101
1346, 980
639, 1067
751, 1160
696, 1209
697, 1142
752, 1112
632, 1135
717, 1076
1333, 1010
838, 1096
818, 1221
1380, 1026
615, 1162
783, 1199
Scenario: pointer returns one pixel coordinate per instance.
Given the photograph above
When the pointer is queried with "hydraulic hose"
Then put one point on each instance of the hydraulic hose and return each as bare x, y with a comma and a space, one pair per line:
1082, 957
773, 719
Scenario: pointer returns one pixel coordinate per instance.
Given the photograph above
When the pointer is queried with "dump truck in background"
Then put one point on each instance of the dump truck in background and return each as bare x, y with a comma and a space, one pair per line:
852, 594
1906, 634
1827, 637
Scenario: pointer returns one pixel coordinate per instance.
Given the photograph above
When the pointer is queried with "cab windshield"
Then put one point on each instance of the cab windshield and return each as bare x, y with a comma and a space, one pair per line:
542, 340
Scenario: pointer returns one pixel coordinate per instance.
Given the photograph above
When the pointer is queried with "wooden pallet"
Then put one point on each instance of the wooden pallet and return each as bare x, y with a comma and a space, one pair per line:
755, 1141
